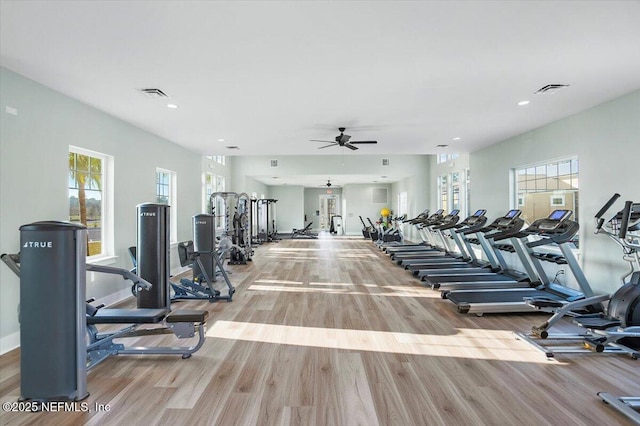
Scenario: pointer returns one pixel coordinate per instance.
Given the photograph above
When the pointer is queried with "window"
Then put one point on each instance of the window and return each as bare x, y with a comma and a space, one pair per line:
403, 205
166, 193
90, 198
455, 191
218, 186
467, 189
220, 159
209, 183
443, 158
542, 188
443, 190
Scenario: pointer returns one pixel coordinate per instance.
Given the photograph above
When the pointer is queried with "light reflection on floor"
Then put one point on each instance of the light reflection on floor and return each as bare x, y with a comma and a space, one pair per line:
465, 343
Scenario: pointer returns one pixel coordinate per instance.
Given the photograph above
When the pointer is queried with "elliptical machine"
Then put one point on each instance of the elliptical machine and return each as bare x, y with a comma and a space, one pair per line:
616, 329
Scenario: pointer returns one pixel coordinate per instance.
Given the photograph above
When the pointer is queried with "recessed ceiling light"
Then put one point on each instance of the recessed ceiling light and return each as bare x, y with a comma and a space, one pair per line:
275, 177
456, 138
172, 106
220, 140
441, 146
523, 103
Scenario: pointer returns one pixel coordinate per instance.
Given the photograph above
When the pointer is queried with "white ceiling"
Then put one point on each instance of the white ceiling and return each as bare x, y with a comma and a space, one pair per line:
269, 76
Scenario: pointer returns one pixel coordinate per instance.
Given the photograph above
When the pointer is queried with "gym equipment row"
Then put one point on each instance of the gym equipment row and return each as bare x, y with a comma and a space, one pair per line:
612, 329
56, 317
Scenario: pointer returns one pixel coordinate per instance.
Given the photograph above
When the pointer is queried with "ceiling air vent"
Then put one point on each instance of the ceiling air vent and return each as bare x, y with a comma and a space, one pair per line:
441, 146
385, 161
232, 147
154, 93
274, 163
550, 89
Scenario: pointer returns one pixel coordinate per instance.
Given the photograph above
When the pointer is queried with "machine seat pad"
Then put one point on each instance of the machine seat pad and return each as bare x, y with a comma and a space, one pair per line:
185, 315
127, 316
597, 323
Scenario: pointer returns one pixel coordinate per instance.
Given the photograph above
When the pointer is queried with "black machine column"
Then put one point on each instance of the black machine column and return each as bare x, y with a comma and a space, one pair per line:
52, 311
152, 248
204, 241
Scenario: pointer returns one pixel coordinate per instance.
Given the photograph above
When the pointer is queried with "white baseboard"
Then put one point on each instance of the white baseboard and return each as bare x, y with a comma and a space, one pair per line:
179, 270
113, 298
9, 343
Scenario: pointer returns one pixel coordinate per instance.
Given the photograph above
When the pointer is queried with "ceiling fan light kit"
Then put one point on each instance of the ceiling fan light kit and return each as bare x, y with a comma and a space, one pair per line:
343, 140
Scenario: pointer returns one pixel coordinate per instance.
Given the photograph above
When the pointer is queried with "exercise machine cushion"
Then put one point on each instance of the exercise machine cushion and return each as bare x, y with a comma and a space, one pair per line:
127, 316
184, 315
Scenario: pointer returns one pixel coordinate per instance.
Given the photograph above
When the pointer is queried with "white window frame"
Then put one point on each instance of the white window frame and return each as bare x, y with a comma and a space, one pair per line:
440, 189
173, 201
403, 203
443, 158
206, 194
108, 213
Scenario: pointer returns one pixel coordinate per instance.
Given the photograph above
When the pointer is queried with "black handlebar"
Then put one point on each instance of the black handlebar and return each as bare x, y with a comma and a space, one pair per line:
626, 213
606, 207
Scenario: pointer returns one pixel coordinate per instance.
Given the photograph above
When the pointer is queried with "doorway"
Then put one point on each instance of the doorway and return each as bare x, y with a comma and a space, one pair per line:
329, 207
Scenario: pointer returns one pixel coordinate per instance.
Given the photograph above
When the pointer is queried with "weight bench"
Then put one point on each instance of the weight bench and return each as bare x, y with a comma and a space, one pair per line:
304, 232
182, 323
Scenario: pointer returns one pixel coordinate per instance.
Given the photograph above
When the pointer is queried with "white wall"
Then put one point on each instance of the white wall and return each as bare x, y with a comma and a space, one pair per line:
358, 199
419, 189
289, 208
606, 140
34, 148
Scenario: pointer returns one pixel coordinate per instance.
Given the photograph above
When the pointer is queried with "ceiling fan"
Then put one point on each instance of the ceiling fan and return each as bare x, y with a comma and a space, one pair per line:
343, 140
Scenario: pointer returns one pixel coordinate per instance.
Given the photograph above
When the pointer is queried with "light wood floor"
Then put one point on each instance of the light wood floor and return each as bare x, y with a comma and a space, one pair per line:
330, 332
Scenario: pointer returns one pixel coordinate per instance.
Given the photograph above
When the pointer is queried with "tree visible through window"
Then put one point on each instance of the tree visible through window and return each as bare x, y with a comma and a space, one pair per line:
86, 201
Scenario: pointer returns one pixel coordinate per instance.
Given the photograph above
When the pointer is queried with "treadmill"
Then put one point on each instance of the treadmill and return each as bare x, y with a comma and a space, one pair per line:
416, 221
464, 255
437, 248
423, 227
507, 227
470, 263
557, 230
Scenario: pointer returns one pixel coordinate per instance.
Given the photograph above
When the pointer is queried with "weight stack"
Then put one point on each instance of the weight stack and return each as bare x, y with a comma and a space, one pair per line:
152, 247
204, 238
53, 354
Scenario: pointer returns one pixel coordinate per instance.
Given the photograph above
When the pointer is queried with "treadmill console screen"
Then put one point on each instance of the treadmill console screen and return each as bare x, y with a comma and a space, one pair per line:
512, 213
454, 212
479, 213
559, 215
439, 212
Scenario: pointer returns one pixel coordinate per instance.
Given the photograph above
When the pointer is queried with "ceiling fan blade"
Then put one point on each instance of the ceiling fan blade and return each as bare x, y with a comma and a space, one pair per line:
320, 140
364, 142
327, 146
348, 145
